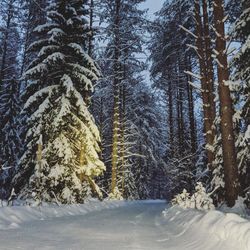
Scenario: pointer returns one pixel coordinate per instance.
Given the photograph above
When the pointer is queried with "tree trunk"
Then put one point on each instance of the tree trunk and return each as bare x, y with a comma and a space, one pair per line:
205, 89
123, 124
180, 116
123, 149
170, 115
209, 68
101, 126
191, 116
179, 106
116, 84
226, 109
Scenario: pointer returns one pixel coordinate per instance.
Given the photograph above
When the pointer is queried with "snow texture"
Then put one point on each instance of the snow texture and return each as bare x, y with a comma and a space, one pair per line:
15, 216
208, 230
115, 225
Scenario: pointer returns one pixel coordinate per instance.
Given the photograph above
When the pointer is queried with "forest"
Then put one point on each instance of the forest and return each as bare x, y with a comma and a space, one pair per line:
97, 99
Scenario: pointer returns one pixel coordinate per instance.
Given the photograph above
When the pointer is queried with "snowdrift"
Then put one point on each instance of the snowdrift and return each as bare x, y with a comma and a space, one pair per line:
210, 229
12, 217
188, 229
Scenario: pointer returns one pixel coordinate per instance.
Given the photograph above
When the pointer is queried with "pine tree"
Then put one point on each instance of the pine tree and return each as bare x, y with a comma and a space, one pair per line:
148, 149
61, 157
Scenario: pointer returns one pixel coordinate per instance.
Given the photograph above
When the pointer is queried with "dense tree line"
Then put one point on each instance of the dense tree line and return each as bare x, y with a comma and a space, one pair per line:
220, 84
79, 118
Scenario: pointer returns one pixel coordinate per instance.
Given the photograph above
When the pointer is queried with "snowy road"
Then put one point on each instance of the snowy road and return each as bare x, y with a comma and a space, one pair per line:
134, 226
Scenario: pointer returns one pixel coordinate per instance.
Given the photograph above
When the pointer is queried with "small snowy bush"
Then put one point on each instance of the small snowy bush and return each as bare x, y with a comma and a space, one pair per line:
199, 200
182, 199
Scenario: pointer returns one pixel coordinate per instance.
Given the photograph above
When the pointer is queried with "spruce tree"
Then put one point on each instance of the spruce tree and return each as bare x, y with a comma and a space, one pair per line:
148, 147
241, 63
61, 157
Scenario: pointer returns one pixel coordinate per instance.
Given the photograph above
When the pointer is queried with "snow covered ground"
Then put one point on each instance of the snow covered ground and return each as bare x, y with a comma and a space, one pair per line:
121, 225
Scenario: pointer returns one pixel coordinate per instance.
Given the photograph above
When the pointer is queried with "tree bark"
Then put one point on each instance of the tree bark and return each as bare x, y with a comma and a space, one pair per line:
123, 149
200, 44
192, 124
170, 114
101, 126
226, 109
209, 68
123, 124
180, 120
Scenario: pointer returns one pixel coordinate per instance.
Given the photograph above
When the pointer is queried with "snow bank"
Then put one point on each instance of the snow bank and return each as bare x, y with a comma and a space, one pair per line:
12, 217
211, 228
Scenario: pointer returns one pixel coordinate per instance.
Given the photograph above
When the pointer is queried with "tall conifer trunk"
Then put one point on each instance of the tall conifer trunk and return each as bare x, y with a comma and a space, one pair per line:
209, 69
226, 108
206, 97
209, 62
191, 116
170, 114
123, 125
116, 129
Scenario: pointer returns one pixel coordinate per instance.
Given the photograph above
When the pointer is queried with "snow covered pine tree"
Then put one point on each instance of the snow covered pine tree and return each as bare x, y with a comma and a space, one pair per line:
61, 157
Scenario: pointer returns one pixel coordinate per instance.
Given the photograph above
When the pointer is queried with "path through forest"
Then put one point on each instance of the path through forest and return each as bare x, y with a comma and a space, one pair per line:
139, 225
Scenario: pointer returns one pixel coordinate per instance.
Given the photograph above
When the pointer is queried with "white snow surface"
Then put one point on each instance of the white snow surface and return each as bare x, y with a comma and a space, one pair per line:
118, 225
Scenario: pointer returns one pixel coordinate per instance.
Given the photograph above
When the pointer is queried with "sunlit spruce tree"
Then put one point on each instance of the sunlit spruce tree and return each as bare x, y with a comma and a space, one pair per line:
61, 157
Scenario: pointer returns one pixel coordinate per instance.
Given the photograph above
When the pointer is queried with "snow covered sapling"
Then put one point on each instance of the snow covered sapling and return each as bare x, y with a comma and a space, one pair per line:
199, 200
182, 199
61, 131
